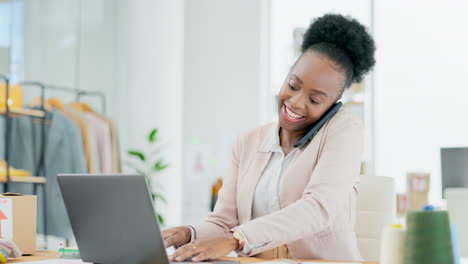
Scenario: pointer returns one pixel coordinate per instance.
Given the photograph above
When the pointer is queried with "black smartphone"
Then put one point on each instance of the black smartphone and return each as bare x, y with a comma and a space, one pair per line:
316, 127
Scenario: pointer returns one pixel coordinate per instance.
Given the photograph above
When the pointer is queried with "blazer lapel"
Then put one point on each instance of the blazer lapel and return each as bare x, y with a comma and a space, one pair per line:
249, 184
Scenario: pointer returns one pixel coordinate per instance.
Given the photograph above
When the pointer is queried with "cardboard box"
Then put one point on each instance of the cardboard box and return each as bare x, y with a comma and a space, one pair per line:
18, 218
403, 203
418, 182
418, 200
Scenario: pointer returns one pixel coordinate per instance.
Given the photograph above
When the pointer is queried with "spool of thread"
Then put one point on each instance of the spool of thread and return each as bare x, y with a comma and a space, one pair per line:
428, 238
392, 245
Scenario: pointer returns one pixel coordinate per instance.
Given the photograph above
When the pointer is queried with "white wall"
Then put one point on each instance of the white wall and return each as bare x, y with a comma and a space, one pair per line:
221, 91
151, 88
420, 85
50, 39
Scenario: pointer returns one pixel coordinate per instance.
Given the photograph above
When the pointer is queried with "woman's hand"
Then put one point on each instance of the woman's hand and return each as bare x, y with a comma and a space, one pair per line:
177, 236
199, 251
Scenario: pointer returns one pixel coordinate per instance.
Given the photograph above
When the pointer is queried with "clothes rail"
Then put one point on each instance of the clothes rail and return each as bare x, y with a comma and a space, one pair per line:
8, 113
93, 93
79, 93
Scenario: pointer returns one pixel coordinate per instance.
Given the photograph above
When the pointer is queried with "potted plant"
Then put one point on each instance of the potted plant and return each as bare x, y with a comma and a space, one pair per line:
148, 163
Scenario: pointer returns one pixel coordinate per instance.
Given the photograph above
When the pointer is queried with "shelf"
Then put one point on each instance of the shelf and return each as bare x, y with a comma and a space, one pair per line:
25, 179
23, 111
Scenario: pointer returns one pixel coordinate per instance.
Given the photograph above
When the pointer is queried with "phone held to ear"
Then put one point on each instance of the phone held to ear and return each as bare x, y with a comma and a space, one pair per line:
316, 127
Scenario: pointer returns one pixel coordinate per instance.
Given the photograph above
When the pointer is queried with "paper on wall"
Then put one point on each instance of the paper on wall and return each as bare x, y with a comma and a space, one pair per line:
6, 218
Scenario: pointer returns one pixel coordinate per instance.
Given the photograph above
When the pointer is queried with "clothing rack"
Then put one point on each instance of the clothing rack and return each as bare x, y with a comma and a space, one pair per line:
78, 93
8, 112
93, 93
40, 114
35, 180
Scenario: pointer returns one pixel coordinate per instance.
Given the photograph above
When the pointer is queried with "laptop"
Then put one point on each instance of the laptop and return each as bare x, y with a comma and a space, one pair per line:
113, 219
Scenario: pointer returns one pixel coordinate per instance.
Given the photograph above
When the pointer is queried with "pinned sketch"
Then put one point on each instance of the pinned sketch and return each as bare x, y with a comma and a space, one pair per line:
197, 158
6, 218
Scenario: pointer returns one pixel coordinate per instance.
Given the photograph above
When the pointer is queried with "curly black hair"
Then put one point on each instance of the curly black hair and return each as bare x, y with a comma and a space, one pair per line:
345, 41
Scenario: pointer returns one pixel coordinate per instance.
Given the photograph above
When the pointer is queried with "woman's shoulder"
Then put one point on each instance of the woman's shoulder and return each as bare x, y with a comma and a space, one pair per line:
254, 137
344, 118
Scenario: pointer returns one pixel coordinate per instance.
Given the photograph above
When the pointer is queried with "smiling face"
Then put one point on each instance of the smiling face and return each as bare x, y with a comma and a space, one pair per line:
313, 85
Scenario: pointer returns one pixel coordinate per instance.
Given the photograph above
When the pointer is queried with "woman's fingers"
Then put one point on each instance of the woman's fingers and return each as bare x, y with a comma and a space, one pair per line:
170, 240
204, 255
199, 251
175, 236
172, 237
187, 251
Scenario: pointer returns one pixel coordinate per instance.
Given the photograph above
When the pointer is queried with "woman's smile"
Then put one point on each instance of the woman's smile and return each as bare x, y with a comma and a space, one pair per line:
290, 115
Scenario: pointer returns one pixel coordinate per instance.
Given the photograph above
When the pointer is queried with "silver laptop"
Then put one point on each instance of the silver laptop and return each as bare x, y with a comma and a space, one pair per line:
113, 219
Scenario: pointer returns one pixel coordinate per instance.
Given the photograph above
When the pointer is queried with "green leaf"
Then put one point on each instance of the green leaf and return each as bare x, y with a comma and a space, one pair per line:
161, 219
137, 154
159, 166
152, 135
160, 197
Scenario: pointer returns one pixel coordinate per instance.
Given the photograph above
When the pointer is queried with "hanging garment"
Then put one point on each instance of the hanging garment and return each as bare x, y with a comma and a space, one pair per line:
116, 163
104, 144
21, 154
63, 154
94, 152
85, 136
20, 143
82, 124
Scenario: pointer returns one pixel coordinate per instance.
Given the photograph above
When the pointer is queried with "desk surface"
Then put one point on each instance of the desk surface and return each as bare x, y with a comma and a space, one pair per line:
45, 255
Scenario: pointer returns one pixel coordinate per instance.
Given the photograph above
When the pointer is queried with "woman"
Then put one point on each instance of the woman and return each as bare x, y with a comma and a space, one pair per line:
282, 200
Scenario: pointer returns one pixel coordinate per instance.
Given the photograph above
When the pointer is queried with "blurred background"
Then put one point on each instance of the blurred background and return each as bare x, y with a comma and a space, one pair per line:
204, 71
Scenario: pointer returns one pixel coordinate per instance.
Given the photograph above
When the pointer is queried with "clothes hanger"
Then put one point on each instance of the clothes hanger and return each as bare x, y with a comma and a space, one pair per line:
83, 107
55, 103
37, 102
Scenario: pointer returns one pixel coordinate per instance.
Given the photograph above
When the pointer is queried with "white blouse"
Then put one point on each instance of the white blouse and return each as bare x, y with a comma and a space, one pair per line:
269, 187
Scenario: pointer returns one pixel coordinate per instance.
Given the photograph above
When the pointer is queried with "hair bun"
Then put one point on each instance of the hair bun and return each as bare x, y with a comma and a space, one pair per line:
347, 34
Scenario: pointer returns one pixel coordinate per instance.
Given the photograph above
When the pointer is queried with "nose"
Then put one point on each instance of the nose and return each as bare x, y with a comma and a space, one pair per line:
298, 101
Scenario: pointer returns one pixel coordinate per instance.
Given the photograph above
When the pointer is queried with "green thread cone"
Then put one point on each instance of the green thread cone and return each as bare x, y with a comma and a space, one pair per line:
428, 239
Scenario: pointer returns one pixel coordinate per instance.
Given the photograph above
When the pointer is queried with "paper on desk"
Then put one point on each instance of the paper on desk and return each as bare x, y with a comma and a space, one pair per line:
57, 261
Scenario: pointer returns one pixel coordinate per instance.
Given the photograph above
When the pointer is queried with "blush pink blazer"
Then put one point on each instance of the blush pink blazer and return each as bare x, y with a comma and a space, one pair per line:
318, 200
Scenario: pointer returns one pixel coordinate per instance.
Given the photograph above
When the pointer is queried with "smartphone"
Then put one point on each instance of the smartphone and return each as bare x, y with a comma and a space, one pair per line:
316, 127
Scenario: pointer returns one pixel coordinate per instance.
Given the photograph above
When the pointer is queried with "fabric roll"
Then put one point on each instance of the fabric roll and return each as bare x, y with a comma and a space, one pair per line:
392, 245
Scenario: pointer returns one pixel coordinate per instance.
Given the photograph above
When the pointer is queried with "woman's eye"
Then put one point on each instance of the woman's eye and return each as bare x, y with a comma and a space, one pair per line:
292, 88
312, 100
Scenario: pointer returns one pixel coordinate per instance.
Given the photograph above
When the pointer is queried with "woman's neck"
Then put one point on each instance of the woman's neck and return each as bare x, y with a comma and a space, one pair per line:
288, 139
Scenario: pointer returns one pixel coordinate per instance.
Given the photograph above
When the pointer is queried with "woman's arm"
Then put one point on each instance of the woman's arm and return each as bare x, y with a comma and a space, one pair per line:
328, 189
224, 216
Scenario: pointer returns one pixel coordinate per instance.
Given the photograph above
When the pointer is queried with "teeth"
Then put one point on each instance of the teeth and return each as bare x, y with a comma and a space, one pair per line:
291, 114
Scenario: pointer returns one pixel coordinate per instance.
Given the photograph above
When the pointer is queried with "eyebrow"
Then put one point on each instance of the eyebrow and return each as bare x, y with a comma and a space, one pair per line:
301, 82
